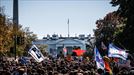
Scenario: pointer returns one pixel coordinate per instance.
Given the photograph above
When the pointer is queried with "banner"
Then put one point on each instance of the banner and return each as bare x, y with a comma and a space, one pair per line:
98, 59
36, 54
116, 52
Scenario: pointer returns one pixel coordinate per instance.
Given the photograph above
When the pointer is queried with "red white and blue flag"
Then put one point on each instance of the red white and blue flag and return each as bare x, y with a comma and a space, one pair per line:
117, 52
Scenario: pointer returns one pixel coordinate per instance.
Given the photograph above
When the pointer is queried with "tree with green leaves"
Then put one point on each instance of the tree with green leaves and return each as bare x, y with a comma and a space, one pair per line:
6, 33
24, 37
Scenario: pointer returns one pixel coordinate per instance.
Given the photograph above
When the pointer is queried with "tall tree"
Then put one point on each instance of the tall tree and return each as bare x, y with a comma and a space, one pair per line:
126, 10
24, 37
107, 29
6, 32
28, 38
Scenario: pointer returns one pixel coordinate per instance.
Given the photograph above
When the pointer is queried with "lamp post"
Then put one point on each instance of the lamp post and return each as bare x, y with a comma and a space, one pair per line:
15, 23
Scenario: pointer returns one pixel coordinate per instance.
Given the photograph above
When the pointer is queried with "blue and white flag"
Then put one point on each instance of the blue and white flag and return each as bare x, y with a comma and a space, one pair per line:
36, 54
117, 52
99, 60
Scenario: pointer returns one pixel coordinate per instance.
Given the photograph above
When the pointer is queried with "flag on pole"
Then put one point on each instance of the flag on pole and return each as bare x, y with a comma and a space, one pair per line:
98, 59
68, 27
117, 52
36, 54
68, 21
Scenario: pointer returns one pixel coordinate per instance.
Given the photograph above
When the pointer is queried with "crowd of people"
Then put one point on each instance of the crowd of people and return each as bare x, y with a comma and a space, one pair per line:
71, 65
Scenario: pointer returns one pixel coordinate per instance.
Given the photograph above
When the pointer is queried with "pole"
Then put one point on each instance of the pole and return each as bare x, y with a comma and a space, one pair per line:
68, 27
15, 23
15, 44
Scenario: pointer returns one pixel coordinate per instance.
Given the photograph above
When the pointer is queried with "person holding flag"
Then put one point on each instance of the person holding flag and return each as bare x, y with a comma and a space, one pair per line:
102, 63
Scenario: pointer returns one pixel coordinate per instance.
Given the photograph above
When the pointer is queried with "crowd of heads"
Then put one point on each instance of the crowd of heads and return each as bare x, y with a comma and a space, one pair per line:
58, 66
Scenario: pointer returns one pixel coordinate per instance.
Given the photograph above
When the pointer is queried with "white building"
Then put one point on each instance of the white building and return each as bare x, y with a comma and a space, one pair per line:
56, 43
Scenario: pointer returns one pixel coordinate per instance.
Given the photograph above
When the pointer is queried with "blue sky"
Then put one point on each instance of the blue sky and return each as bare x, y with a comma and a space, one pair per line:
49, 17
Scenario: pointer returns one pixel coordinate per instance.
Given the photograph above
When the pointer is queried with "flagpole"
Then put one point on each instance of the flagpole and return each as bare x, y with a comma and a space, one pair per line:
68, 27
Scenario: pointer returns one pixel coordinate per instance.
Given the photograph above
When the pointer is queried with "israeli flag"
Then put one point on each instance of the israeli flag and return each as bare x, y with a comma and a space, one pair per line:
36, 54
117, 52
99, 60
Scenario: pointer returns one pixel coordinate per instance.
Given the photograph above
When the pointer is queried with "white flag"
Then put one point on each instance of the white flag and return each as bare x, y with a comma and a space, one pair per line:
36, 54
